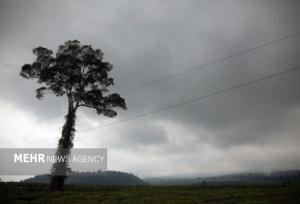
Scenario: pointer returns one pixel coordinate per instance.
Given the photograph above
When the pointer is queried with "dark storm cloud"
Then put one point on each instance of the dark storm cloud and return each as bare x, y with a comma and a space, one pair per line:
148, 40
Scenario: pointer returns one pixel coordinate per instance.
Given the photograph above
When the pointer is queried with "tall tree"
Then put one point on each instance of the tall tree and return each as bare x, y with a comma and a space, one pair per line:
78, 72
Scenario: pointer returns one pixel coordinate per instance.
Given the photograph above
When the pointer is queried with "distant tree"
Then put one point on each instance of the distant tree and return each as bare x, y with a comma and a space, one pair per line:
78, 72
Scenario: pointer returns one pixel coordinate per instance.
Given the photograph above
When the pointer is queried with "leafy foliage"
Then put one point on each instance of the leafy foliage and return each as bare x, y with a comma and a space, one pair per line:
77, 71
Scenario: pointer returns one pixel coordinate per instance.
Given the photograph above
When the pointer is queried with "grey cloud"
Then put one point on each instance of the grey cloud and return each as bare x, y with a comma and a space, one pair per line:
143, 135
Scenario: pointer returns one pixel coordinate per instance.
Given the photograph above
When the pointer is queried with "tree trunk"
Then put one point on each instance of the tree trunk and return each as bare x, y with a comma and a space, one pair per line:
59, 169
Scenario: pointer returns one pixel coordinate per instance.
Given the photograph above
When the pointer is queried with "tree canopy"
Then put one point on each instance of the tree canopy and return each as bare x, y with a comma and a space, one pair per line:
77, 71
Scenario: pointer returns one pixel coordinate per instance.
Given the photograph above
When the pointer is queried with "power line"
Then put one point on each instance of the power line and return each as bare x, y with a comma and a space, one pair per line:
211, 63
195, 99
179, 73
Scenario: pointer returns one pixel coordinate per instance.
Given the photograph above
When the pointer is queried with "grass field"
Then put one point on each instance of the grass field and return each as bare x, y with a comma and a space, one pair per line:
39, 193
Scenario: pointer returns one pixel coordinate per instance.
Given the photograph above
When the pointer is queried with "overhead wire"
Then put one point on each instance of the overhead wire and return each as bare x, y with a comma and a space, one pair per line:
221, 91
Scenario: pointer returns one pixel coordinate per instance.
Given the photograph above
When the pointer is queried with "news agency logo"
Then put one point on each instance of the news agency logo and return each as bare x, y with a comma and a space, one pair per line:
43, 158
34, 161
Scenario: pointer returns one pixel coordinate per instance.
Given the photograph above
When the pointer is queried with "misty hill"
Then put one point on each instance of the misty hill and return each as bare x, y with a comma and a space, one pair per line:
279, 177
114, 178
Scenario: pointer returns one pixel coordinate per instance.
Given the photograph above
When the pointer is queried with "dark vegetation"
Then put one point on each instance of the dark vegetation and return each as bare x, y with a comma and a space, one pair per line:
119, 187
39, 193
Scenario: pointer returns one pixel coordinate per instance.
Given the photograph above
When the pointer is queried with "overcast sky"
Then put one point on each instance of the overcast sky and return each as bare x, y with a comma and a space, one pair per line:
255, 128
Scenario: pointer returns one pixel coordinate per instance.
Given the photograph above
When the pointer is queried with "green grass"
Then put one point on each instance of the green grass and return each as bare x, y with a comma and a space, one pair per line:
39, 193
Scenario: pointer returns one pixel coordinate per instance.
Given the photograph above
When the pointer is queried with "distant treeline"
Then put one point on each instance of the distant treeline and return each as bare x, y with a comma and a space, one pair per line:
114, 178
278, 177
